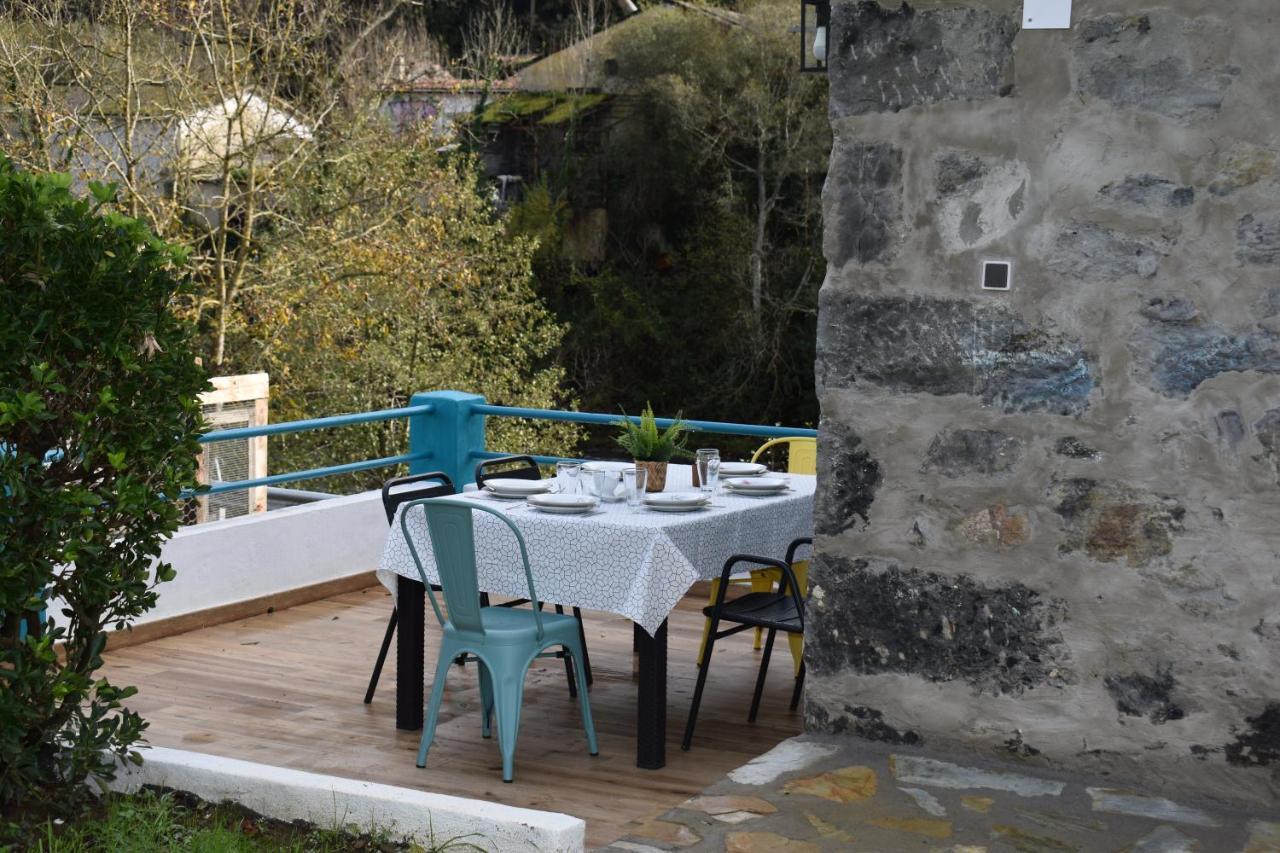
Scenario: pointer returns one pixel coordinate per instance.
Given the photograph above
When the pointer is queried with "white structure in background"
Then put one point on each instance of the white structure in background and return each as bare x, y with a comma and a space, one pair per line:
242, 126
234, 402
243, 131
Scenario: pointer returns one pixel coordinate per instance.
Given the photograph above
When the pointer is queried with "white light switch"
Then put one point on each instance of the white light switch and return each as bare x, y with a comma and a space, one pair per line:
1046, 14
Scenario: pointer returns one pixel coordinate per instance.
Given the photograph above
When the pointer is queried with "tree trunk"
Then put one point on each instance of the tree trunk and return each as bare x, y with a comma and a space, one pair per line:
220, 346
757, 247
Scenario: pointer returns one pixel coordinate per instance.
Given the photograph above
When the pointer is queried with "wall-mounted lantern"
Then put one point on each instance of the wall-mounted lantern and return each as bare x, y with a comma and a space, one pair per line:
815, 23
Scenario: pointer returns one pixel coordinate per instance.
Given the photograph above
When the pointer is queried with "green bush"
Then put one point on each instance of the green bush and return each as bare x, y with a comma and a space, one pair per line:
99, 416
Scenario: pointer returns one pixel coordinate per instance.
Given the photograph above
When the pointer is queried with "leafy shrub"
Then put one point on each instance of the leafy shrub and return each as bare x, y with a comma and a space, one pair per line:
98, 423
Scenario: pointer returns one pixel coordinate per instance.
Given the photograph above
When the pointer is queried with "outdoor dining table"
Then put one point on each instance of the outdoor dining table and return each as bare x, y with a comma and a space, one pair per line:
634, 562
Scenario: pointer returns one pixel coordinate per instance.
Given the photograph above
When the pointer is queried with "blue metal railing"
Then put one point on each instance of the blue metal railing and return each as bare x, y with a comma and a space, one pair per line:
719, 427
447, 433
316, 423
287, 427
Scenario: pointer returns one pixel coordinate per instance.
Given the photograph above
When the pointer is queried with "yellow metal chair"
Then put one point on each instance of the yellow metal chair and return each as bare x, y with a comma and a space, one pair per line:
802, 458
802, 453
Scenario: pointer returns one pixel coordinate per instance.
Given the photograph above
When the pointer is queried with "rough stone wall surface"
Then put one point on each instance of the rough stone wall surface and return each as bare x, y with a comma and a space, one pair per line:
1049, 518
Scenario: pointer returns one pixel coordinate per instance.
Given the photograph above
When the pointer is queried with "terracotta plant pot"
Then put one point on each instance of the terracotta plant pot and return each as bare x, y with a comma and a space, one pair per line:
656, 479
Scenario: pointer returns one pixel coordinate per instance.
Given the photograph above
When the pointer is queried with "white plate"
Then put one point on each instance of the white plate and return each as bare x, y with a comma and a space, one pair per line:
566, 504
756, 484
676, 507
676, 501
742, 469
510, 487
592, 467
748, 493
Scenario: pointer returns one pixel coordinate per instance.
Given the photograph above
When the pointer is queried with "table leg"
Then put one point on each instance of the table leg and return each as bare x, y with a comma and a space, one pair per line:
35, 623
651, 708
410, 652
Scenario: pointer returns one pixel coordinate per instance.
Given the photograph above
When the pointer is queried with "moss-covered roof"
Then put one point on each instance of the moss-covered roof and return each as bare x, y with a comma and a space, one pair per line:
572, 106
542, 107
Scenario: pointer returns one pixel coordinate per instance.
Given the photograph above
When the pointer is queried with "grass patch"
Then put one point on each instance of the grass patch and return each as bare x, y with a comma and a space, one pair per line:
158, 821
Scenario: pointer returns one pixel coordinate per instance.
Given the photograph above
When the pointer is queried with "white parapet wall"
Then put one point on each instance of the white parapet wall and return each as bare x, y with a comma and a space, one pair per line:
332, 802
240, 559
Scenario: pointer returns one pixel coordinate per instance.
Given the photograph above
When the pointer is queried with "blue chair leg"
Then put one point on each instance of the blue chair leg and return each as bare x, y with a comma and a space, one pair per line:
486, 700
433, 704
509, 690
577, 652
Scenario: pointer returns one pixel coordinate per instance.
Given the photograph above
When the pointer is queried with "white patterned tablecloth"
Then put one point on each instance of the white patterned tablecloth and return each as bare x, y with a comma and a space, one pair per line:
637, 563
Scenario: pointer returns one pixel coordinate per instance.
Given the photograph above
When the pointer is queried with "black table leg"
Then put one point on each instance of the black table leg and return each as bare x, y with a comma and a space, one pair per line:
35, 623
411, 603
651, 709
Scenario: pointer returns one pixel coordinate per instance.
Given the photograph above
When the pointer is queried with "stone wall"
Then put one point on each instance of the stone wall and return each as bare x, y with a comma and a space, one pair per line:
1049, 518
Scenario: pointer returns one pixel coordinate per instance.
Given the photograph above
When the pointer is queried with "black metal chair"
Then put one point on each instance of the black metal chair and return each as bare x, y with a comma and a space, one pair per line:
391, 501
509, 468
523, 467
778, 610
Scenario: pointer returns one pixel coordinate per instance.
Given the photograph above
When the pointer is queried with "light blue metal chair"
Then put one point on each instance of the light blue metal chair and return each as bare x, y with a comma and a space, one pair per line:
505, 641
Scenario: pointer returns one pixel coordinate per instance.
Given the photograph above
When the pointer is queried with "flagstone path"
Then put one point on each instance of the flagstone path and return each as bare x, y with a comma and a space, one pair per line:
814, 794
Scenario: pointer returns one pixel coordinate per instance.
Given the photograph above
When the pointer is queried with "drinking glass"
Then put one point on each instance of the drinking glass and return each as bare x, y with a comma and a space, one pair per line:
712, 478
606, 485
633, 481
567, 477
708, 462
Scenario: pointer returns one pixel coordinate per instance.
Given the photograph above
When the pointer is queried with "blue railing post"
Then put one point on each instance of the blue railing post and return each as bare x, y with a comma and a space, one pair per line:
448, 435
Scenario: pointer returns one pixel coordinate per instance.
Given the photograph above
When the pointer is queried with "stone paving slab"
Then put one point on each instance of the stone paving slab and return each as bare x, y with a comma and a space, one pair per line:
813, 794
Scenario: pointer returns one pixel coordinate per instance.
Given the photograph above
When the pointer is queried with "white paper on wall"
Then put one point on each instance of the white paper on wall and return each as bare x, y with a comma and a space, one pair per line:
1046, 14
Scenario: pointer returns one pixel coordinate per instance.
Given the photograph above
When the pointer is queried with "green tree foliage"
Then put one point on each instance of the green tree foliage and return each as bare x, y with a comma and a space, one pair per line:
540, 26
353, 264
393, 277
98, 426
201, 112
710, 172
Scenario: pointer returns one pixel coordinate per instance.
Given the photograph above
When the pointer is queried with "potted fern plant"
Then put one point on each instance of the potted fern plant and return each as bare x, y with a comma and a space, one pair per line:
652, 448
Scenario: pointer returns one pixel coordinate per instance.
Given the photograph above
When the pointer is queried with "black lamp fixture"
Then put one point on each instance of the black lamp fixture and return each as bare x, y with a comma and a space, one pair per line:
815, 23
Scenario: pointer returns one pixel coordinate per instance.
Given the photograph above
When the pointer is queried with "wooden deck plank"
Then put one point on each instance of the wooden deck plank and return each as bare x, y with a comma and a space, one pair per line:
285, 688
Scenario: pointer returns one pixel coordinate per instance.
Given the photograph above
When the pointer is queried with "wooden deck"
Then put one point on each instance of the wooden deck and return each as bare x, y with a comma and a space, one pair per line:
285, 688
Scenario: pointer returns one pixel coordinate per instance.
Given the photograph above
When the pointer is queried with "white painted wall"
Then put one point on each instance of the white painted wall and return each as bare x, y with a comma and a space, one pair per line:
224, 562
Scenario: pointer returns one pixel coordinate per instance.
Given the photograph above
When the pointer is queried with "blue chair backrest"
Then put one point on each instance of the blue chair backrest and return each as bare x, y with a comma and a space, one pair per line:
452, 529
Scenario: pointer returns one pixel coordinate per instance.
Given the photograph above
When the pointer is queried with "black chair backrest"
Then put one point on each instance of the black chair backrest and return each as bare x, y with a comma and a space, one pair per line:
516, 468
796, 546
441, 486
